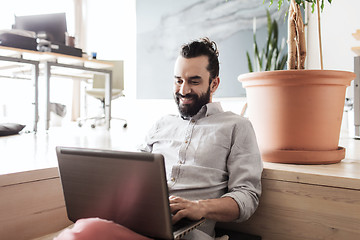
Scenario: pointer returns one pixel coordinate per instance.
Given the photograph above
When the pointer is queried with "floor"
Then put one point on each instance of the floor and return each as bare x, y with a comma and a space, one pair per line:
29, 150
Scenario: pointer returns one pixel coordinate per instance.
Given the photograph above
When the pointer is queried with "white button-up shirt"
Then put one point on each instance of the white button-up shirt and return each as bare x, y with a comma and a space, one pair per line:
211, 155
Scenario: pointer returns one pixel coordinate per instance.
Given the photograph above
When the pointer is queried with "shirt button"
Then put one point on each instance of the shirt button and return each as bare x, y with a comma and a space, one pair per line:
193, 120
173, 179
186, 141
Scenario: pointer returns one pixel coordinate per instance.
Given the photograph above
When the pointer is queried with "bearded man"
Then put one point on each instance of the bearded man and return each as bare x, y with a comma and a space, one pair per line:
212, 160
213, 164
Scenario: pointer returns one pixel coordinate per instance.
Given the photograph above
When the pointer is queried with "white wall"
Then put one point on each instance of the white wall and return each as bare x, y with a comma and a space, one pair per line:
111, 32
338, 21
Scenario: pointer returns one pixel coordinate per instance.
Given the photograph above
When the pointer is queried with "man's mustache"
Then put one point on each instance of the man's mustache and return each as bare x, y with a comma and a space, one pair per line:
189, 95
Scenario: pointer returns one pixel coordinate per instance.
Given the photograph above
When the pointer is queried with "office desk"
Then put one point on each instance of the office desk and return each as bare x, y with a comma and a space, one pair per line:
45, 62
35, 77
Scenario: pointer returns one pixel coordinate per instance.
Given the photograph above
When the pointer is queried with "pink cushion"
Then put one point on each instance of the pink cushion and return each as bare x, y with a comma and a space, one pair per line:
96, 228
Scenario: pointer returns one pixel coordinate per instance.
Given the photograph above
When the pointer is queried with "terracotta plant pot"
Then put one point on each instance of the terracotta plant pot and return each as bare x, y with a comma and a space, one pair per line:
297, 114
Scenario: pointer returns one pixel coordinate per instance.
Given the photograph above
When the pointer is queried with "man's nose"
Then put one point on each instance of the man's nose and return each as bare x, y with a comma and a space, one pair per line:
184, 89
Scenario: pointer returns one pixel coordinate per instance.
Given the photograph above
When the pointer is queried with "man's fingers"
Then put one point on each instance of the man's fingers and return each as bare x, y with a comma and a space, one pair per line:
181, 208
175, 199
175, 207
179, 215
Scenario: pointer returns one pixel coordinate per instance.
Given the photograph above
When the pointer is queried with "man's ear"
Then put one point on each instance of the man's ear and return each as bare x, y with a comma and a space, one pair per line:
214, 84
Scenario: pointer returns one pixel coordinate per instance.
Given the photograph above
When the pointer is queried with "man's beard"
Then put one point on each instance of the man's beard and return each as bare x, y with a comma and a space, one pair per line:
189, 110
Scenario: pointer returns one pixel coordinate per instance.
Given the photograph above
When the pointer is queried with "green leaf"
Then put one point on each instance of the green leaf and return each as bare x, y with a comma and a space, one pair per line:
249, 62
256, 53
271, 56
268, 21
276, 32
282, 63
313, 7
270, 32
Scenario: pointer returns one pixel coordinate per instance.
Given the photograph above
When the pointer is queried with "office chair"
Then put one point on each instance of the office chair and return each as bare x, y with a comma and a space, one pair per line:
98, 91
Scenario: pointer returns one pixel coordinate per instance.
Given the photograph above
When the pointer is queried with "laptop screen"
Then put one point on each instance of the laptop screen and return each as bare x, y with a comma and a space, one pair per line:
128, 188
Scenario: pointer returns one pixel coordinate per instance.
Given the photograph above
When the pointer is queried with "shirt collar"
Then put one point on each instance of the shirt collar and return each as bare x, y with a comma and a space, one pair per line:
213, 108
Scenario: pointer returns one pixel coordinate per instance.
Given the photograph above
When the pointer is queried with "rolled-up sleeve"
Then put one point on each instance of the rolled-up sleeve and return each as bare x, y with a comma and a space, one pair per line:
147, 145
244, 167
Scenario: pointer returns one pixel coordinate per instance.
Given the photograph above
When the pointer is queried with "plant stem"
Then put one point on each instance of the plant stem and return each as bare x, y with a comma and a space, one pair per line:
296, 38
291, 63
319, 30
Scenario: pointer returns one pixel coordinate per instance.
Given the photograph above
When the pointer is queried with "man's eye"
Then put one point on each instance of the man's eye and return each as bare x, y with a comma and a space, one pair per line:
195, 83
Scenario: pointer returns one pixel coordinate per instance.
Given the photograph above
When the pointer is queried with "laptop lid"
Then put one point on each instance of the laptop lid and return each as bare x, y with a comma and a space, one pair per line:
128, 188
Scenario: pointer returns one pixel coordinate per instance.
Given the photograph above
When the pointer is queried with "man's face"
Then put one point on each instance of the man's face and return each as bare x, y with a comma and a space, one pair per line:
192, 88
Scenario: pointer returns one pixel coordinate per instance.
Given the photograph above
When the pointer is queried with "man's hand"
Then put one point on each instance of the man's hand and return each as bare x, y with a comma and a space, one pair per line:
181, 208
221, 209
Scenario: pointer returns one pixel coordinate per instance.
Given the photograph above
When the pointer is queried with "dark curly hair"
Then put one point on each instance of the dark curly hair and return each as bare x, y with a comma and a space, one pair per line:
203, 47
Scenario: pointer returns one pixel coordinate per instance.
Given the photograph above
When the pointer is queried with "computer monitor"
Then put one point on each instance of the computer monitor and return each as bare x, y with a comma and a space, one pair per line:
54, 25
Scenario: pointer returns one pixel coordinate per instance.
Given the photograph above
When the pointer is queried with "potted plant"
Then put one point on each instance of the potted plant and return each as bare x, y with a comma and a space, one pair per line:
297, 113
271, 56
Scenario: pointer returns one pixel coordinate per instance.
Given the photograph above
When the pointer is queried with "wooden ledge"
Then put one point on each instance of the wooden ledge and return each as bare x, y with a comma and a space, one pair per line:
345, 174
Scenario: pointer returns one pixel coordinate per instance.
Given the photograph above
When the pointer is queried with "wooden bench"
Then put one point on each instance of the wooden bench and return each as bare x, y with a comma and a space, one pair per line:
31, 204
298, 202
307, 202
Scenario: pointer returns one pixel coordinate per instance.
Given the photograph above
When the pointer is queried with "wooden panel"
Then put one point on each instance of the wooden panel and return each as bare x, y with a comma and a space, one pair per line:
303, 211
29, 210
28, 176
345, 174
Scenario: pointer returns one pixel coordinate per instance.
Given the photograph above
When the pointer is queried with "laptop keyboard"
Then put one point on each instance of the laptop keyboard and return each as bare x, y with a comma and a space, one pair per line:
181, 224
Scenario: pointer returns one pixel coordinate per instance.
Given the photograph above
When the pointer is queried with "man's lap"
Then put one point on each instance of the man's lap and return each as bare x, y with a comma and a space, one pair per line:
96, 228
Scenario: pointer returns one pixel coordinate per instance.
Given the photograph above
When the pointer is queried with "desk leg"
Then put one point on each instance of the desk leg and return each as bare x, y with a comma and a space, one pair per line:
47, 107
36, 100
108, 93
357, 96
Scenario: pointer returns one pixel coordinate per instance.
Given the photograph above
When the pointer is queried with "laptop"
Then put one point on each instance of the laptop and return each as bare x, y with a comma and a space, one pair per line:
128, 188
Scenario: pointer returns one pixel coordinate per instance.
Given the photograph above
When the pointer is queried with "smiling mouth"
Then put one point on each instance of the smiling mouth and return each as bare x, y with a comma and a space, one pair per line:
186, 100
